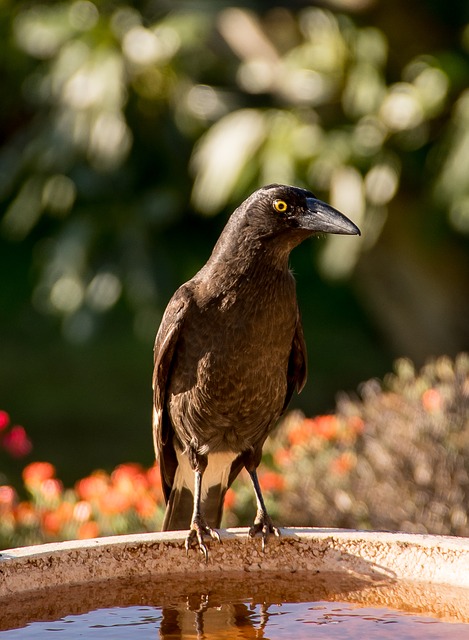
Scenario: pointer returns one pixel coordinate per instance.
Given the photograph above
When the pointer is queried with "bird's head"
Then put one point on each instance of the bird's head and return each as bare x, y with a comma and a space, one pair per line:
278, 218
280, 209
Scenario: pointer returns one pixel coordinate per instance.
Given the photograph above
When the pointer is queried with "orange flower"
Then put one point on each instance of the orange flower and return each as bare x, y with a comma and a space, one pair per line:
65, 511
154, 476
88, 530
129, 469
282, 457
326, 426
26, 515
271, 481
356, 424
145, 506
301, 432
230, 498
113, 502
343, 463
51, 523
129, 479
432, 401
92, 487
37, 472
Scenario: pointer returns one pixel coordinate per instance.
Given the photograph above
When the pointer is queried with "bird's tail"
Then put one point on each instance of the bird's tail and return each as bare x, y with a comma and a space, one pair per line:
180, 505
179, 509
215, 482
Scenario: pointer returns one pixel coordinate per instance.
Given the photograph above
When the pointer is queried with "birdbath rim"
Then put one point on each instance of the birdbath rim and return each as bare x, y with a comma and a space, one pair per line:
373, 555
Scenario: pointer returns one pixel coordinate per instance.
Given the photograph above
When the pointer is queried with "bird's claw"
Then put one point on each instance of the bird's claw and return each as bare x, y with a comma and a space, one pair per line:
196, 536
264, 525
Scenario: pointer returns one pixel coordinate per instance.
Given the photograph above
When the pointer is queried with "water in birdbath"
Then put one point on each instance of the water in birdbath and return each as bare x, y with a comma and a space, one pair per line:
298, 605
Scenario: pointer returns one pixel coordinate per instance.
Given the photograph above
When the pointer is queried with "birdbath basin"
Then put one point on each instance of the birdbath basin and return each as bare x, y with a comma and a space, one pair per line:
307, 581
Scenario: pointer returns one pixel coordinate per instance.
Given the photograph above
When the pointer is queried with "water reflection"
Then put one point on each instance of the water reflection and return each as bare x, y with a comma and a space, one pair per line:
340, 620
238, 606
205, 620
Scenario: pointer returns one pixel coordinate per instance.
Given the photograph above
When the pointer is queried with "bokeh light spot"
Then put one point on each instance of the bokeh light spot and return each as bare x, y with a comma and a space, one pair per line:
58, 194
83, 15
103, 291
67, 294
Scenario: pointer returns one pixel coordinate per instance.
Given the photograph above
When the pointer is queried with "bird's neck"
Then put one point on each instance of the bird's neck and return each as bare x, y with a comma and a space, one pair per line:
250, 281
244, 259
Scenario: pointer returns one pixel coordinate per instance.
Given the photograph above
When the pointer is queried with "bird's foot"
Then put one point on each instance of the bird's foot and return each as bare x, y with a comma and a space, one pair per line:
263, 524
198, 529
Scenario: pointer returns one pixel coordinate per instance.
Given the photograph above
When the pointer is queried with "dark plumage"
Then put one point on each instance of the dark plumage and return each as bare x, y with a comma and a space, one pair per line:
228, 355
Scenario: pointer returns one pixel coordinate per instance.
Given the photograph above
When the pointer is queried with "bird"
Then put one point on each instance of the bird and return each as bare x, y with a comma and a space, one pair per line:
228, 356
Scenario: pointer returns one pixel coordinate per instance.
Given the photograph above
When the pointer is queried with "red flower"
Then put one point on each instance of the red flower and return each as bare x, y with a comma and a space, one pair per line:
7, 498
4, 420
16, 442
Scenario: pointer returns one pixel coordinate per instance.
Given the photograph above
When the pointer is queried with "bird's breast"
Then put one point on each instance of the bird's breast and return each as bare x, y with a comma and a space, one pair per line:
229, 375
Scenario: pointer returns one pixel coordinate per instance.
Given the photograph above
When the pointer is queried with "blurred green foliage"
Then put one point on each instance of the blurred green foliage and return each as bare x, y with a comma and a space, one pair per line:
126, 128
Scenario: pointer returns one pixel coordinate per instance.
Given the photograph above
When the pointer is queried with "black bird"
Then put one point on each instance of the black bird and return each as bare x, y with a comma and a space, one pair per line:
228, 355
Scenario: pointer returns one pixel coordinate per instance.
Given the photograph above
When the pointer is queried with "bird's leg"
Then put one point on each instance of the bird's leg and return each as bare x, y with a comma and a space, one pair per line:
198, 525
263, 522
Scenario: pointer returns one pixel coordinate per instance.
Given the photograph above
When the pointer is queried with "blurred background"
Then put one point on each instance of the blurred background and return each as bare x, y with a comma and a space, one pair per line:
128, 134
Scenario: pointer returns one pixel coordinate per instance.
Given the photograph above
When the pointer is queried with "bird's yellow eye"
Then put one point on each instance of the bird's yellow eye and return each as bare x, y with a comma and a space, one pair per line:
280, 206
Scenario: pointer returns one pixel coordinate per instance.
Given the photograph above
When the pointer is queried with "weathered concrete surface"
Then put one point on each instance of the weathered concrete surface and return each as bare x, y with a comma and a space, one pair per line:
375, 556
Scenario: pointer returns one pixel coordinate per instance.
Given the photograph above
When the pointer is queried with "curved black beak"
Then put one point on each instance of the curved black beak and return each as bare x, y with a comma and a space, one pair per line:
320, 217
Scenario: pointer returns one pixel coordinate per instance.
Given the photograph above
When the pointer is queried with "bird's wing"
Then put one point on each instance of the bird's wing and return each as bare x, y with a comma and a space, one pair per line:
165, 345
297, 363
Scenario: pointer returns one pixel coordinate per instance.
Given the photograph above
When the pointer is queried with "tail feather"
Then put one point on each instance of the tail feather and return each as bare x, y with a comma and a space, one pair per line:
212, 505
178, 510
180, 505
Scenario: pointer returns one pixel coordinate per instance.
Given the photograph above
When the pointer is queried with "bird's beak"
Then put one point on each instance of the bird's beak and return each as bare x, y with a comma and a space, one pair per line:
322, 218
